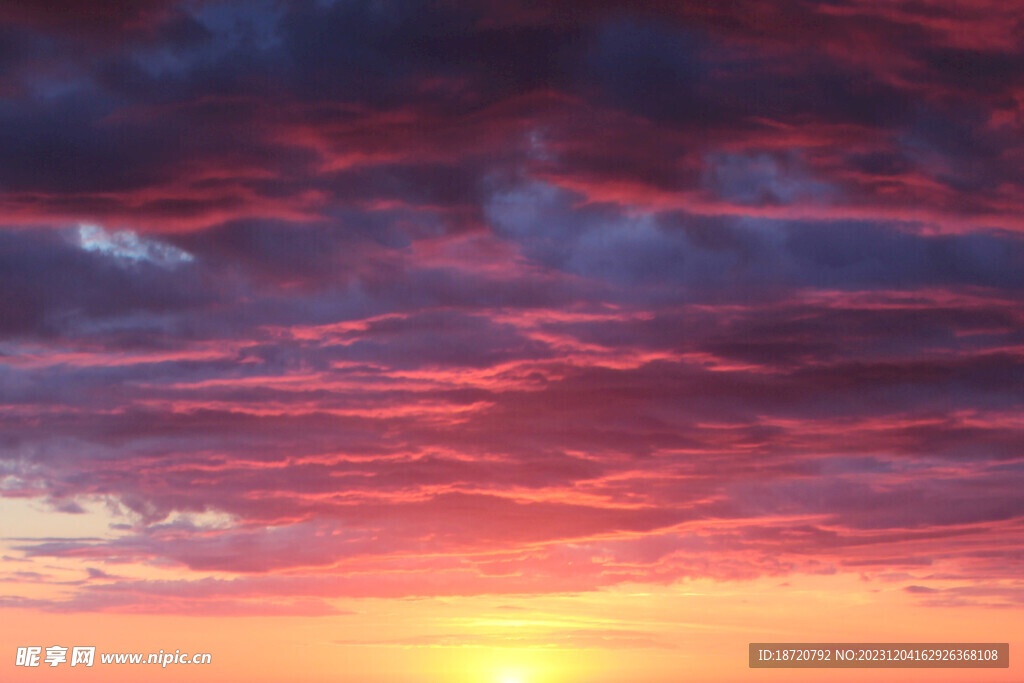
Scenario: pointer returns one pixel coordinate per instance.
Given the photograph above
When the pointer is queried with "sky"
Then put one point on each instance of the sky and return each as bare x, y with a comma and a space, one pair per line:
509, 342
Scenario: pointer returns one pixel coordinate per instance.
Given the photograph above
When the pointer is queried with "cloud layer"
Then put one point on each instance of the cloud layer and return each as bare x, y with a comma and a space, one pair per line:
432, 299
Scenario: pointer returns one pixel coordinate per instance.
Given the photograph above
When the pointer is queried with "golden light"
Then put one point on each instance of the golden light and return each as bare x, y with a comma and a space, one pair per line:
512, 677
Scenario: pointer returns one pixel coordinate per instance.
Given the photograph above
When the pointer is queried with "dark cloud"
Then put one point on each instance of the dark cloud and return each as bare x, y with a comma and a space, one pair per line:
70, 15
50, 286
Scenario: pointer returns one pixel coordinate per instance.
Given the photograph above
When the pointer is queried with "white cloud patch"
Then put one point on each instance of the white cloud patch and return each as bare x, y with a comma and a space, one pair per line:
125, 245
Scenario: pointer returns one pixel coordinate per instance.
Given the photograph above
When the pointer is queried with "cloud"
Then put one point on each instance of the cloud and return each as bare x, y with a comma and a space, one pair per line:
424, 299
126, 245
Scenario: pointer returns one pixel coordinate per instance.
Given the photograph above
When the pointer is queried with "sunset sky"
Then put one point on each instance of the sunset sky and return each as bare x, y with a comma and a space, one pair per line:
509, 341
